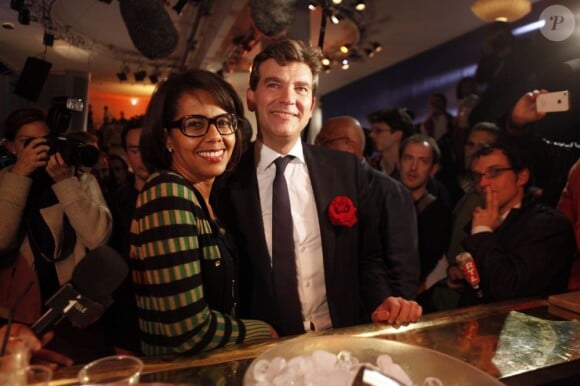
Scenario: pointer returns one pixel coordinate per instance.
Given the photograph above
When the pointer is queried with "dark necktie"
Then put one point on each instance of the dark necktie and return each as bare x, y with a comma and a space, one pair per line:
283, 259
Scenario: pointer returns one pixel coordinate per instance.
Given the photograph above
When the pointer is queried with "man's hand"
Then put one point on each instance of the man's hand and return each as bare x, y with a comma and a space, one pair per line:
23, 333
524, 110
33, 156
58, 169
488, 216
39, 355
50, 358
397, 311
455, 278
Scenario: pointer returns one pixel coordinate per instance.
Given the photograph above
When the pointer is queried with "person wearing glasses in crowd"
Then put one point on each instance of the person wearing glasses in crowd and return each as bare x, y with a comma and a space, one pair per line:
183, 263
520, 247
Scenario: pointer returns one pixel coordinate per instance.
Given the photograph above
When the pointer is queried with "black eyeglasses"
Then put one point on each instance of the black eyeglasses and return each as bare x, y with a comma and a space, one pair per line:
489, 174
198, 125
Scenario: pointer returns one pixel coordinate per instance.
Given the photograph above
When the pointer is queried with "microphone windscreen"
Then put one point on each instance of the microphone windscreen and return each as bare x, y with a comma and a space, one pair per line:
150, 27
99, 273
272, 17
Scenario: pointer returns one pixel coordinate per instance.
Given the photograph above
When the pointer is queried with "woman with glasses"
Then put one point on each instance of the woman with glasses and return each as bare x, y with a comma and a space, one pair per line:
182, 258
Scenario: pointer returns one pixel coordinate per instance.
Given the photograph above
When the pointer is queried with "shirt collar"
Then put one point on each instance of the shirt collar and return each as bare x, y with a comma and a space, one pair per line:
504, 216
265, 156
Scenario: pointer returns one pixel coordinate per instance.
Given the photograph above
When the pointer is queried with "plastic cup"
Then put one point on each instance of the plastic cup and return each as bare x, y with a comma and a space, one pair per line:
37, 375
13, 364
116, 369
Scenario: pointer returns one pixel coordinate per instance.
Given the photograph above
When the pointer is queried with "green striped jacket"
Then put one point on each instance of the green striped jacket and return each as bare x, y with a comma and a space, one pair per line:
172, 240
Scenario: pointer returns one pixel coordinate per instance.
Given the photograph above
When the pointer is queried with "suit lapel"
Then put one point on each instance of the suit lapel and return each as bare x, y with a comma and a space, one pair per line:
323, 181
246, 199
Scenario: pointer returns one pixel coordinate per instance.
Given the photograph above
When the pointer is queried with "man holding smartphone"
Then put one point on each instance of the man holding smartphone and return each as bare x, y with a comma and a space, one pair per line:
549, 161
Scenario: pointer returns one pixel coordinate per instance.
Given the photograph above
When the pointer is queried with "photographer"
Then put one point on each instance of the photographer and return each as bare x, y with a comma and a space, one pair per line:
50, 219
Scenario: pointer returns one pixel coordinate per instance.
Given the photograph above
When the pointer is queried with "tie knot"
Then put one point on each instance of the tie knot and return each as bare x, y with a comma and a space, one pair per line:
282, 162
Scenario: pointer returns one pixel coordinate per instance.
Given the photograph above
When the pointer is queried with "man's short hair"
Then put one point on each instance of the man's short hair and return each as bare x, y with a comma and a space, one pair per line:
421, 139
132, 124
287, 51
513, 153
488, 127
398, 119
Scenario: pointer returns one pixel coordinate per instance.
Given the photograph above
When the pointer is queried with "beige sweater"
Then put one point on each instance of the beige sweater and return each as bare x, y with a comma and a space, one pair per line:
81, 200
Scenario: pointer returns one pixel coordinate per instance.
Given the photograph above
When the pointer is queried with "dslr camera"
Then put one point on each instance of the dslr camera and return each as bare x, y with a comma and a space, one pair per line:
74, 153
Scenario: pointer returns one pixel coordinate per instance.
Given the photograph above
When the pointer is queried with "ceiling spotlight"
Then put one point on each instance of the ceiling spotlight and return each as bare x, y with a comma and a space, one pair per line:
370, 52
360, 6
337, 1
325, 62
344, 49
377, 47
312, 5
48, 39
334, 18
154, 78
345, 64
178, 7
24, 16
140, 75
123, 74
16, 4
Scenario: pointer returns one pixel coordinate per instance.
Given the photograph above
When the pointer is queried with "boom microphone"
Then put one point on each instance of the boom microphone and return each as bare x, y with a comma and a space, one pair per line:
272, 17
150, 27
84, 299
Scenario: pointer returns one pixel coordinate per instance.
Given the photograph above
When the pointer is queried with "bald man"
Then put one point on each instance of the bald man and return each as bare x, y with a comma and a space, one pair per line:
397, 219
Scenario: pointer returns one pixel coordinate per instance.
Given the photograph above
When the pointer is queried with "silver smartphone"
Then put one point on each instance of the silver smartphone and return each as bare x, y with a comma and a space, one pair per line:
553, 102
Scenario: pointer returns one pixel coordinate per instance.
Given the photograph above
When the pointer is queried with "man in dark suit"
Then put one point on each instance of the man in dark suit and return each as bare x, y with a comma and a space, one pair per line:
520, 247
337, 277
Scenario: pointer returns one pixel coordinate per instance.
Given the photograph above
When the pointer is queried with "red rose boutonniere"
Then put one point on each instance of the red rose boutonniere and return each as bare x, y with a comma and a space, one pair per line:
342, 212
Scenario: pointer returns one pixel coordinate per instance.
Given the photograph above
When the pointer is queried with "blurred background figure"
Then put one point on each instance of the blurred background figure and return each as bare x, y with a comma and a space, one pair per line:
396, 213
50, 219
121, 321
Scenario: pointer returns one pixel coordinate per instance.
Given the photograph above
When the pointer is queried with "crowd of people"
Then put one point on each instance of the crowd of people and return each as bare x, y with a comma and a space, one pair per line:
235, 242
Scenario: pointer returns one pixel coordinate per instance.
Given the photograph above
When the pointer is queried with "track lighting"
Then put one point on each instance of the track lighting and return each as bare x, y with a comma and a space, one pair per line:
360, 6
140, 75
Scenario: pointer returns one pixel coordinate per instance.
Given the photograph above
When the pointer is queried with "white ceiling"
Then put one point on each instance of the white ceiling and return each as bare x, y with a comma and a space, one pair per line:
405, 28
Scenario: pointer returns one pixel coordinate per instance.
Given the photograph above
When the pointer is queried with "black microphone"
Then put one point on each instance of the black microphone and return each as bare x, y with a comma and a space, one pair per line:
84, 299
150, 27
272, 17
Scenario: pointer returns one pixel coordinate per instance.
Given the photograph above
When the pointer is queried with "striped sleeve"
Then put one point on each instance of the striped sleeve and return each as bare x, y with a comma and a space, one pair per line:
166, 268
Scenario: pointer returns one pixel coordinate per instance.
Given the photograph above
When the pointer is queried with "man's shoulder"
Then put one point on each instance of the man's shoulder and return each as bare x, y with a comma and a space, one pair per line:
319, 152
544, 212
542, 218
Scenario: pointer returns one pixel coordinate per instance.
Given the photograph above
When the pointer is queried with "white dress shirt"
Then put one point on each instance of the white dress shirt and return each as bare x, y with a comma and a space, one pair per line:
307, 240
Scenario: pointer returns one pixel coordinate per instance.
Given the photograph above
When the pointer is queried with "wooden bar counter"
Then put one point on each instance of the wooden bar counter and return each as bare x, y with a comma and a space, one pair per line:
524, 342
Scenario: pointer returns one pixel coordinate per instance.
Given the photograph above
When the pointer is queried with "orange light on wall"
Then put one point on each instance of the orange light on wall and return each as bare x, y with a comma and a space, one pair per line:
117, 105
501, 10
